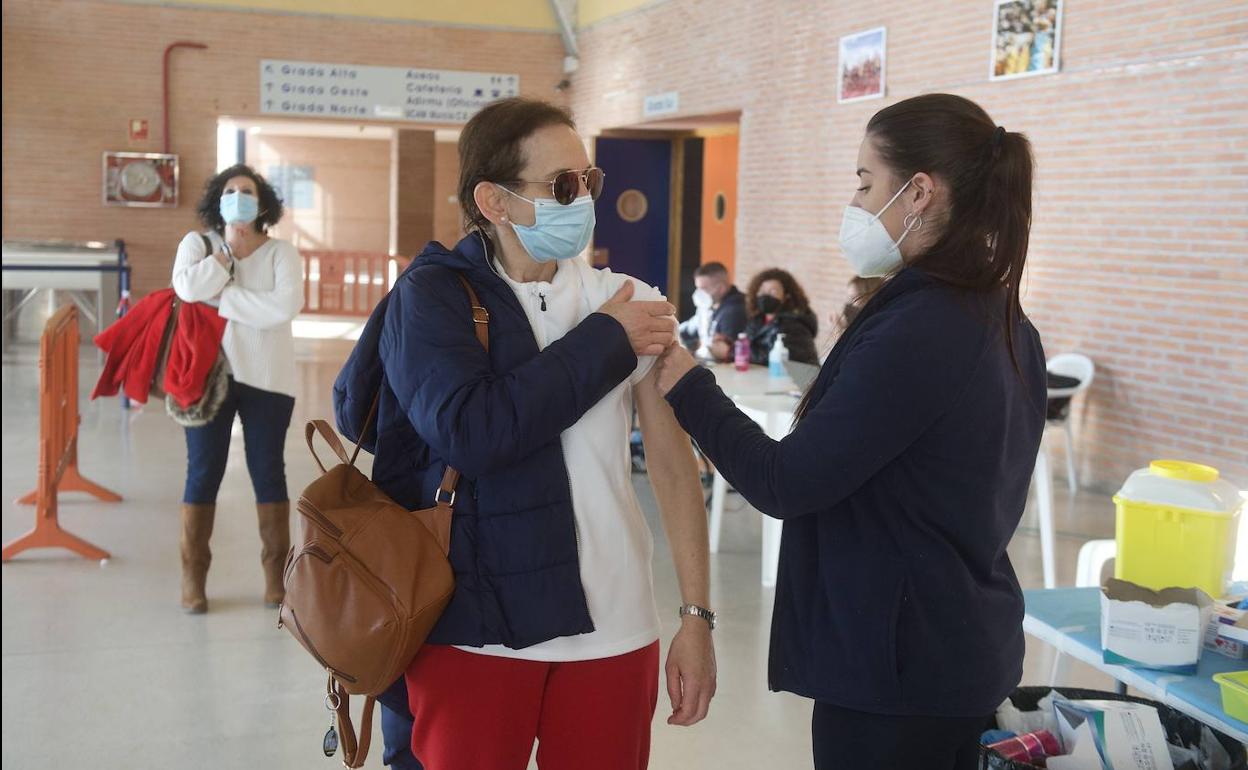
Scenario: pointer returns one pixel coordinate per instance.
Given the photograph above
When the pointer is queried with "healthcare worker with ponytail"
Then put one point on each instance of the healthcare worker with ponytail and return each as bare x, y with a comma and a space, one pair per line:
897, 609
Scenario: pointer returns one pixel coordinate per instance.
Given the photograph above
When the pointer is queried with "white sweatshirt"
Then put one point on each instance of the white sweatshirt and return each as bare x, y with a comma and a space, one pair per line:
614, 541
264, 296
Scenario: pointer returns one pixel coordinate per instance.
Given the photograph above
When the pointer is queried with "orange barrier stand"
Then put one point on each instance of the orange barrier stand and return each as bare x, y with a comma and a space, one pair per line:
58, 441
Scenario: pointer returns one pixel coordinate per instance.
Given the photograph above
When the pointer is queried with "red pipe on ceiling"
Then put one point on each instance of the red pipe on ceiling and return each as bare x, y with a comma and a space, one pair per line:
165, 82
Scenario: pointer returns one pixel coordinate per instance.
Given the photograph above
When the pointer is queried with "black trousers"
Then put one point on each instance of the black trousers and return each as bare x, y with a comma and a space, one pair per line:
855, 740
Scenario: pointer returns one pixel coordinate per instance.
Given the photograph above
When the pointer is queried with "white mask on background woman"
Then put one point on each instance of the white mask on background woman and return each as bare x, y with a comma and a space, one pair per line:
871, 251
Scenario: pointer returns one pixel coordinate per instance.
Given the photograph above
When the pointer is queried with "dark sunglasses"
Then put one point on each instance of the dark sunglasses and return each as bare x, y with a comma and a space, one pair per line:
567, 184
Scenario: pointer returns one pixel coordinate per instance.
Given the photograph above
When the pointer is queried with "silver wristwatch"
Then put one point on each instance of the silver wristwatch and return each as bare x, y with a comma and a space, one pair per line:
708, 615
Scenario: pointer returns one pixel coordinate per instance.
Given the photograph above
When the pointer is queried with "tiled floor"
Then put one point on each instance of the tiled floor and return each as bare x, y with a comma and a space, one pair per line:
102, 670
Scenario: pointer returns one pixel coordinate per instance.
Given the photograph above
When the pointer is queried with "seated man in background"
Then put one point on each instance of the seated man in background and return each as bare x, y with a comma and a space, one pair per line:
720, 314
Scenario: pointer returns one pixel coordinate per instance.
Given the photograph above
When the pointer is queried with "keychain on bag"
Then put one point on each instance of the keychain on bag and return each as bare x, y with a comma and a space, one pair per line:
329, 744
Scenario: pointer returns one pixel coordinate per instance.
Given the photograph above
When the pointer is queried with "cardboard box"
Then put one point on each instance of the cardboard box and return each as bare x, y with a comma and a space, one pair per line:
1227, 632
1117, 735
1231, 648
1163, 630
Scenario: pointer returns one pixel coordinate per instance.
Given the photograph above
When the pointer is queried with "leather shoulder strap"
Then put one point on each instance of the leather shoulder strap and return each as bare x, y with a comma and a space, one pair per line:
354, 745
480, 316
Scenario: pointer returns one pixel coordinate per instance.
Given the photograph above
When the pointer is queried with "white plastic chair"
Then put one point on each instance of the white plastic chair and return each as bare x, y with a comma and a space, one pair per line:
1081, 368
1092, 559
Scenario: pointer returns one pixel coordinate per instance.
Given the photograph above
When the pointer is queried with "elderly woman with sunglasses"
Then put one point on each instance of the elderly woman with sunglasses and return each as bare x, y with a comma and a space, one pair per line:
552, 634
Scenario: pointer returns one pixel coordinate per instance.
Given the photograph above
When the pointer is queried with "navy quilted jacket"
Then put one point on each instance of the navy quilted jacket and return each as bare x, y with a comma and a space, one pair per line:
496, 417
899, 489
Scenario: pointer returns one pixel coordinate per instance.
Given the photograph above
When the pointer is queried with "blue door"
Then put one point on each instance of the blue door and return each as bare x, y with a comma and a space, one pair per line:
633, 211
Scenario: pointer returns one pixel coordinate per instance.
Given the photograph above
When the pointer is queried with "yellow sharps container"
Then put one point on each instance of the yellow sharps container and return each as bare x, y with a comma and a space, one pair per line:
1177, 526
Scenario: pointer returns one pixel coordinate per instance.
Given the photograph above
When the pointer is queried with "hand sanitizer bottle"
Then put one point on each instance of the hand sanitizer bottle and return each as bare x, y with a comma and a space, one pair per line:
775, 361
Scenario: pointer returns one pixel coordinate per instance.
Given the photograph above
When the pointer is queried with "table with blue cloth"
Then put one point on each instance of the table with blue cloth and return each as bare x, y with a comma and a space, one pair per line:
1070, 620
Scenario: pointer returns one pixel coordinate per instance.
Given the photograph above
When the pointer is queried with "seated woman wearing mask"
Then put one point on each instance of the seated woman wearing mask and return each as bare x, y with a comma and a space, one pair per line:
552, 632
777, 305
897, 609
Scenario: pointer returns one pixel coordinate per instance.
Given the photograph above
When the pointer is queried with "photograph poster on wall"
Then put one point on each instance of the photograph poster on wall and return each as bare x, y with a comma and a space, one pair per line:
861, 72
1026, 38
145, 179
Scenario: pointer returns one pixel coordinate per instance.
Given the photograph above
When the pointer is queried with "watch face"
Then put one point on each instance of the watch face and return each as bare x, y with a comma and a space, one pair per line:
139, 179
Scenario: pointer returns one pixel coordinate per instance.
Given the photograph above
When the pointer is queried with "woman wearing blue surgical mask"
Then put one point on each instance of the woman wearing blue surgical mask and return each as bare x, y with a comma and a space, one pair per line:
897, 609
552, 634
256, 284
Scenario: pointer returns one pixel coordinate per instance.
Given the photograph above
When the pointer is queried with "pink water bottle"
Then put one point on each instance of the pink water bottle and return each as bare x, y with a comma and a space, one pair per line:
741, 353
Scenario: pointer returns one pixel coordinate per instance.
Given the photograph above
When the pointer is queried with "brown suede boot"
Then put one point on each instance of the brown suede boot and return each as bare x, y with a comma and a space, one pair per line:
274, 545
197, 521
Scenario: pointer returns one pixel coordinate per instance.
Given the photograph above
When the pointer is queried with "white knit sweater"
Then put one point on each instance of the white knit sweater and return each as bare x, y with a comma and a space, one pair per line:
264, 296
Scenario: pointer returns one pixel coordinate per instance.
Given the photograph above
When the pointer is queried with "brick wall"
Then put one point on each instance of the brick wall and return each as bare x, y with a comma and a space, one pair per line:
1140, 247
351, 182
448, 219
411, 191
1139, 255
75, 71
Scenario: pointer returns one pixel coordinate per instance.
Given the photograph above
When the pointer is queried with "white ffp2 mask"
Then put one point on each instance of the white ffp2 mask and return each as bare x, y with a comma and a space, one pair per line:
871, 251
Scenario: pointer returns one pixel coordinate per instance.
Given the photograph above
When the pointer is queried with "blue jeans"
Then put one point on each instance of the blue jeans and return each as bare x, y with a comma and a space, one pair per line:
396, 728
266, 418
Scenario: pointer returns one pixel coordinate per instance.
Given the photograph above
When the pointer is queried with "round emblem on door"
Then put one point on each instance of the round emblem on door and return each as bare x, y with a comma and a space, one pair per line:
632, 205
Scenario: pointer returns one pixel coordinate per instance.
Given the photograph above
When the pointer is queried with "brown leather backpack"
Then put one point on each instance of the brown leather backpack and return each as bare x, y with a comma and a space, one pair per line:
369, 579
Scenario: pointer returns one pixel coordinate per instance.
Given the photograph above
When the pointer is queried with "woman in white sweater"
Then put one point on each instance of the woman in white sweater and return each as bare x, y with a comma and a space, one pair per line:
256, 283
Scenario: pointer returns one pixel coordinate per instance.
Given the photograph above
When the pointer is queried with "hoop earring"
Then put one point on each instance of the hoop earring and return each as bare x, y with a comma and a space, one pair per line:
913, 222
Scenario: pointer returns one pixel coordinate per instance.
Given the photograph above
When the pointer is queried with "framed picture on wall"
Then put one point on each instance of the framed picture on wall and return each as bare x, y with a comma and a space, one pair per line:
861, 70
145, 179
1026, 38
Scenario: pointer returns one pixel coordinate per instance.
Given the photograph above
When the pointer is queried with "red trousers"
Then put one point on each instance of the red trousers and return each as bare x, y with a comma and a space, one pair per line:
481, 712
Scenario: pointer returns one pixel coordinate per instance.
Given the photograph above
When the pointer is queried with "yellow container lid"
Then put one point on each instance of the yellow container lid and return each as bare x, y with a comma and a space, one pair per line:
1181, 484
1183, 471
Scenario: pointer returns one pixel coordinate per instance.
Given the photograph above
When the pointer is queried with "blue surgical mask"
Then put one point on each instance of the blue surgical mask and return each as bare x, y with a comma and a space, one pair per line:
239, 207
559, 232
